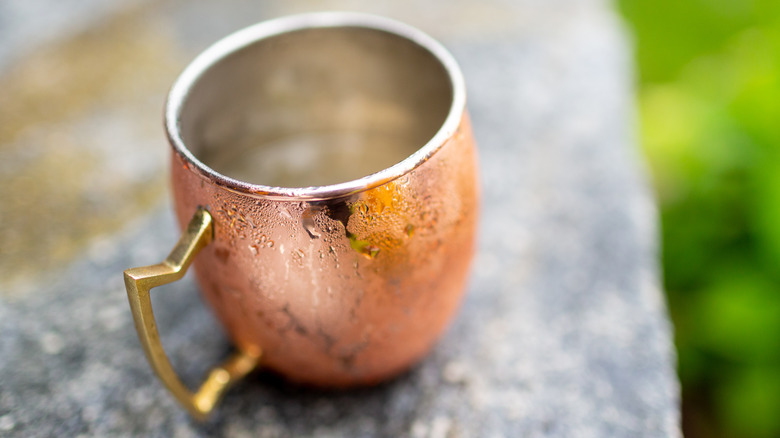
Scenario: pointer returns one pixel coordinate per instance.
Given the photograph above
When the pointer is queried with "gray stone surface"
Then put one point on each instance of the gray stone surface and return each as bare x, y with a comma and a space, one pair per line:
563, 332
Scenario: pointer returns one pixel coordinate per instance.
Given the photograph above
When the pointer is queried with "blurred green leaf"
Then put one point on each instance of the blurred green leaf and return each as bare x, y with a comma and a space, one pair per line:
766, 214
748, 402
738, 316
710, 117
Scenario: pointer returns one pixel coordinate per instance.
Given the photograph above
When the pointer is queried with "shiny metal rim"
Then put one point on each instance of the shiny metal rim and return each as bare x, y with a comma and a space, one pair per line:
255, 33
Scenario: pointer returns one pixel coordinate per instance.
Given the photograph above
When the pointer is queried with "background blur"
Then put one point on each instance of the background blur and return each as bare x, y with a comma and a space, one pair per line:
709, 97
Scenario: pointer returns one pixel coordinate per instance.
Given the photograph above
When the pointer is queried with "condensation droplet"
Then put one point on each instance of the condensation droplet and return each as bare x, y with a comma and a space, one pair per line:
298, 256
363, 247
310, 227
370, 251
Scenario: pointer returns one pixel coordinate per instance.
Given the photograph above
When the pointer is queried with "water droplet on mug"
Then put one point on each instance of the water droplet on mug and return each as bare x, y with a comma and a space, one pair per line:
310, 227
362, 246
298, 255
370, 251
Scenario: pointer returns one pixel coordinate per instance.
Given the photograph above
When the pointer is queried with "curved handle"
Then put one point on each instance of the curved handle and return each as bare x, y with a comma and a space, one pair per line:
139, 281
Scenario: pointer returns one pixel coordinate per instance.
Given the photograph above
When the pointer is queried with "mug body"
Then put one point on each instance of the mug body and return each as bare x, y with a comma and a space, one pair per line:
338, 282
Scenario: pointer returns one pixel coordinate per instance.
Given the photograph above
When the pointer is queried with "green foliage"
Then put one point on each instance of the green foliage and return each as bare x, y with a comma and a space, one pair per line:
710, 112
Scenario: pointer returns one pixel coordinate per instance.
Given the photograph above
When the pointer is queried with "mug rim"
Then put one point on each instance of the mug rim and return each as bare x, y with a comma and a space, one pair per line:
245, 37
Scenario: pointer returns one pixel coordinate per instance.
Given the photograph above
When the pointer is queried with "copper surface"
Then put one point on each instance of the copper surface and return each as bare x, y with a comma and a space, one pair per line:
331, 310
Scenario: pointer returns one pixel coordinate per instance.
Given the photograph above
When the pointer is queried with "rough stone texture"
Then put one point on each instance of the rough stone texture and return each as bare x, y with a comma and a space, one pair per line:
563, 331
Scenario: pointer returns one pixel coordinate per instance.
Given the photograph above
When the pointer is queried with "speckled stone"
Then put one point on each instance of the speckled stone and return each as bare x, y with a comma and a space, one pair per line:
563, 331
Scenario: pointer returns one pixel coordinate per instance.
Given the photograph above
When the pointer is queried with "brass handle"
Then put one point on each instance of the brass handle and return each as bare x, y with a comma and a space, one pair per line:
139, 281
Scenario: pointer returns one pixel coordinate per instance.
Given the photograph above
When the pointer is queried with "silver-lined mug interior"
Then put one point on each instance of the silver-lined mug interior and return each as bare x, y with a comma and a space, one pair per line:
315, 107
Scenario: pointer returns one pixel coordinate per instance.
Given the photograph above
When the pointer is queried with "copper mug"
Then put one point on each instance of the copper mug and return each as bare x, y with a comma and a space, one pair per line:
325, 174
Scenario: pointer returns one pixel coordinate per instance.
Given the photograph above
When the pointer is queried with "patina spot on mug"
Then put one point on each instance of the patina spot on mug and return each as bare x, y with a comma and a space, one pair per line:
325, 175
